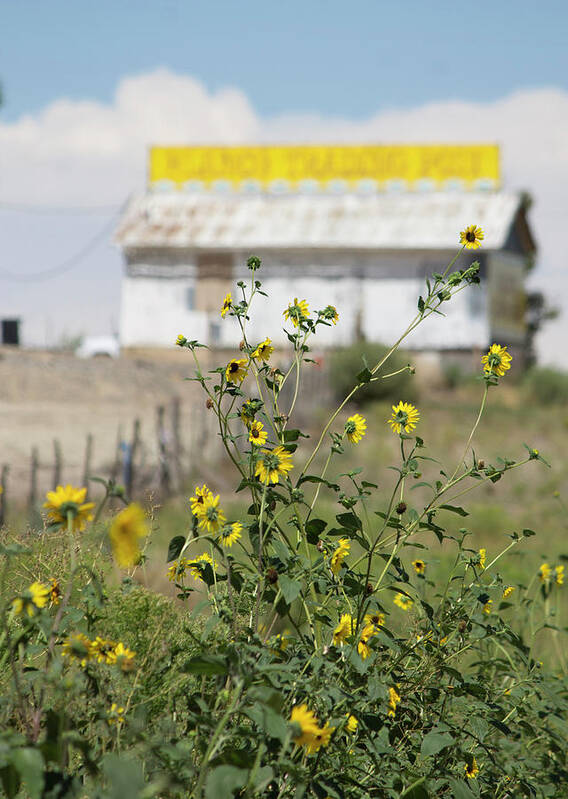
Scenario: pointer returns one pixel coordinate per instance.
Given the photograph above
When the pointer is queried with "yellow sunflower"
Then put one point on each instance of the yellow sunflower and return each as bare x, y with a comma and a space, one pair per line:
307, 722
226, 305
177, 570
212, 517
343, 547
257, 433
67, 502
321, 738
394, 699
472, 237
297, 311
264, 350
272, 464
102, 649
78, 647
559, 575
236, 370
193, 564
247, 412
497, 361
487, 607
343, 629
352, 723
508, 591
122, 656
545, 573
363, 647
126, 530
54, 591
330, 313
404, 417
375, 618
471, 769
115, 715
404, 602
355, 428
231, 533
181, 340
35, 598
419, 566
197, 502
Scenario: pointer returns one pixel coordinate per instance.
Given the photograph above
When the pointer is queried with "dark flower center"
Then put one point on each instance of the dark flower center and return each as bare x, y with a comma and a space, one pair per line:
234, 368
470, 235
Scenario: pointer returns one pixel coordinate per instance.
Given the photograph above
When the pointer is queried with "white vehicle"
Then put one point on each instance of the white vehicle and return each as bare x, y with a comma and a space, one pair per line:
98, 346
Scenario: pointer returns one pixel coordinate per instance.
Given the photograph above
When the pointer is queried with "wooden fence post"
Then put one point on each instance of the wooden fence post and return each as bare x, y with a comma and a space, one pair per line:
177, 445
164, 466
58, 463
3, 496
130, 453
32, 499
115, 468
88, 458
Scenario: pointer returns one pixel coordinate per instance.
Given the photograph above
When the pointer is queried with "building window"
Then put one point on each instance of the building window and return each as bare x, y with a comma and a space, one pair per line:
190, 298
476, 301
214, 333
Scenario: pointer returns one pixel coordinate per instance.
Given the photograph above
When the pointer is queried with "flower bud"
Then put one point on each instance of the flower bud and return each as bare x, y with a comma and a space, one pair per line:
272, 576
254, 262
401, 508
209, 403
369, 588
241, 345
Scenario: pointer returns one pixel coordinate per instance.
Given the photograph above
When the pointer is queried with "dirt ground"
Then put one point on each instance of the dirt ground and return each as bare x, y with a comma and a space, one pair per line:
47, 397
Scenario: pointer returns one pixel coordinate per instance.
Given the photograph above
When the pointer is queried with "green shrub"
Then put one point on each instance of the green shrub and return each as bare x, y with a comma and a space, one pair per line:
547, 386
347, 363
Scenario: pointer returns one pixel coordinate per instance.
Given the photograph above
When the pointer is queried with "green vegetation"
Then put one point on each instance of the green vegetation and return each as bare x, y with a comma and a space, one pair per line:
358, 619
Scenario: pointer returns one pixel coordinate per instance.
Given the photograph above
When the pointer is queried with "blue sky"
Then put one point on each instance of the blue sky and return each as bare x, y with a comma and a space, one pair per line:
312, 56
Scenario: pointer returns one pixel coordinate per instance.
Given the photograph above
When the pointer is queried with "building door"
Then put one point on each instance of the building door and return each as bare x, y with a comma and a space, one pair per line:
11, 332
214, 280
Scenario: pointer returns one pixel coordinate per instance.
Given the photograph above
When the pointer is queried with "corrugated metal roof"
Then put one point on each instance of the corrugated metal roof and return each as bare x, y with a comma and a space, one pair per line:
401, 221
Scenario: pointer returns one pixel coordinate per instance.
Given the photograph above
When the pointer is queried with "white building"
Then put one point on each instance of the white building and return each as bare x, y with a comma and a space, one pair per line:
367, 255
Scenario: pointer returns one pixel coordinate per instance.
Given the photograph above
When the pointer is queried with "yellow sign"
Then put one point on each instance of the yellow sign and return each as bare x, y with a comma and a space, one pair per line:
269, 167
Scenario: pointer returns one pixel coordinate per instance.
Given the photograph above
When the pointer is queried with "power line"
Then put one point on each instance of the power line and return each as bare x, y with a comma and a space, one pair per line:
58, 209
65, 266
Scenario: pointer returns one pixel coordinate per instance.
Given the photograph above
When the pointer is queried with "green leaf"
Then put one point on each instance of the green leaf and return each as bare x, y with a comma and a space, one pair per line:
312, 478
205, 664
460, 790
434, 742
13, 549
10, 780
314, 529
364, 376
455, 509
290, 588
269, 721
125, 777
30, 766
175, 547
224, 780
416, 790
349, 520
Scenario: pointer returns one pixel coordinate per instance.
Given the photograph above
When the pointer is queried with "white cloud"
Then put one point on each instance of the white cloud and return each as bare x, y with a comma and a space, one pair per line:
90, 153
